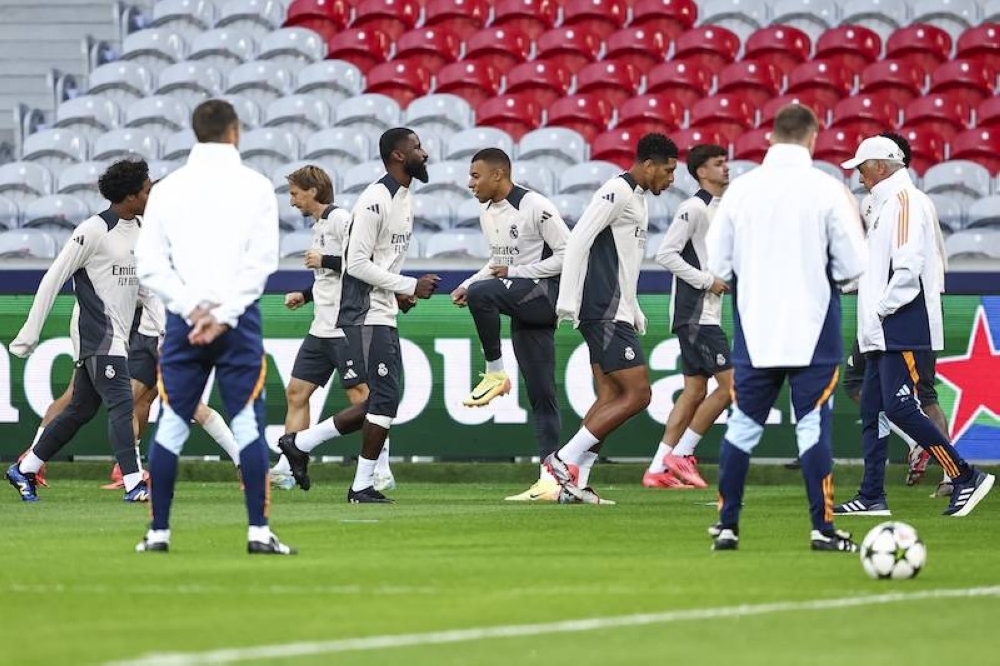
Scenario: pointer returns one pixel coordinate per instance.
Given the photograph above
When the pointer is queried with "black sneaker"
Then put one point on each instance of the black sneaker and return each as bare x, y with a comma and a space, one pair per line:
727, 539
272, 547
834, 541
366, 496
965, 496
298, 460
861, 506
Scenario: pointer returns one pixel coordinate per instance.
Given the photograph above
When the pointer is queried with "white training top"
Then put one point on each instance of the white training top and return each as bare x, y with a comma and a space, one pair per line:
328, 235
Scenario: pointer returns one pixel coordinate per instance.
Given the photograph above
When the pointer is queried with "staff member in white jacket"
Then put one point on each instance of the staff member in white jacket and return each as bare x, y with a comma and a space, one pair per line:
899, 329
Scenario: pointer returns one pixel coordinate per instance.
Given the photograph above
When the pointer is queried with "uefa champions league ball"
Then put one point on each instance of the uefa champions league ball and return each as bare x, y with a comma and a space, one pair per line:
893, 550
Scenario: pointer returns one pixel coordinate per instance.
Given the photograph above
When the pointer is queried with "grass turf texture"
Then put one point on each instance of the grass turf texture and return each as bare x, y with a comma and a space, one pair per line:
455, 556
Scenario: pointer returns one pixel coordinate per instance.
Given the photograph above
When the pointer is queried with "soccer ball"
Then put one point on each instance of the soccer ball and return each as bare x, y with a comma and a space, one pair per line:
893, 550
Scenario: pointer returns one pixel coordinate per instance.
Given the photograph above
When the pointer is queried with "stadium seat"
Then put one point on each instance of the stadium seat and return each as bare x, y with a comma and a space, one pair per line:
587, 178
514, 114
153, 49
980, 145
752, 145
475, 81
988, 113
825, 81
833, 170
659, 220
954, 16
532, 17
364, 48
267, 148
126, 143
982, 244
27, 244
324, 17
261, 81
651, 110
771, 108
393, 17
54, 149
55, 211
341, 147
642, 47
160, 169
944, 114
502, 47
10, 215
612, 81
726, 114
293, 244
455, 243
190, 82
121, 82
80, 180
372, 112
463, 17
991, 11
960, 178
670, 17
616, 146
448, 180
535, 176
587, 114
742, 17
553, 147
224, 48
333, 81
431, 214
738, 168
870, 113
185, 17
293, 48
984, 213
600, 16
255, 17
571, 46
684, 181
924, 45
463, 145
443, 113
838, 145
302, 114
899, 80
431, 47
88, 115
686, 82
402, 80
25, 181
972, 81
177, 146
812, 17
783, 46
467, 214
358, 177
950, 212
710, 46
880, 16
754, 81
928, 147
853, 46
546, 80
693, 136
981, 42
570, 206
158, 114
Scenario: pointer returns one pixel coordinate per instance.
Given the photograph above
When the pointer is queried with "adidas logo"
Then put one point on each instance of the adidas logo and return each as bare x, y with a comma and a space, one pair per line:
350, 374
609, 197
545, 215
375, 208
78, 240
903, 392
506, 283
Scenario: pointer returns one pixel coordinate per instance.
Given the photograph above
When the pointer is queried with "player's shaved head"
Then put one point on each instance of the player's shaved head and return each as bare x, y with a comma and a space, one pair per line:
494, 158
794, 124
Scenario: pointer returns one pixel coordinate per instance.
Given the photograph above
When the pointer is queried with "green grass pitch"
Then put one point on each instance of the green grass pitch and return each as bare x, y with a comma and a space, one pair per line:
454, 556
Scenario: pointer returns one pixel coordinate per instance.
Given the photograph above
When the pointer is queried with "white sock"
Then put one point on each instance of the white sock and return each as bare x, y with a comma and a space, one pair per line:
910, 442
544, 474
158, 536
38, 434
310, 438
282, 466
656, 465
217, 429
689, 440
259, 533
382, 464
364, 476
582, 441
495, 366
132, 480
31, 464
587, 460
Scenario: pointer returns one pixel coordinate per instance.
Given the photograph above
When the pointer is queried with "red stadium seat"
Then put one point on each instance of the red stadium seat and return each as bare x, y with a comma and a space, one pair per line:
463, 17
514, 114
771, 108
614, 81
431, 47
980, 145
970, 80
926, 45
363, 47
728, 115
546, 80
600, 16
643, 47
573, 46
504, 46
660, 109
587, 114
853, 46
827, 81
875, 113
475, 81
708, 45
781, 45
981, 42
393, 17
687, 82
617, 146
324, 17
928, 148
532, 17
838, 145
752, 145
901, 80
671, 17
694, 136
403, 80
988, 113
944, 114
755, 81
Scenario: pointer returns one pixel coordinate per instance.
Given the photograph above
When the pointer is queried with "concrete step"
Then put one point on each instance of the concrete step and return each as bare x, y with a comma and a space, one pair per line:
50, 49
81, 14
41, 66
57, 31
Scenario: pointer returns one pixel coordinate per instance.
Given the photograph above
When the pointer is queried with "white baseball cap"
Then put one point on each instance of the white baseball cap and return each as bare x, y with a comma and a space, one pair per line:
874, 148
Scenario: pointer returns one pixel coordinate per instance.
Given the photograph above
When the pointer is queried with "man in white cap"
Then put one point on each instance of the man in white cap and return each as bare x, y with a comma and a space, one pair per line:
899, 329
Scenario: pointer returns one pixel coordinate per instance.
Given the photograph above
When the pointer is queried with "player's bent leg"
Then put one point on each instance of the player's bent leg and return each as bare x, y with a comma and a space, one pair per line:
297, 396
53, 410
658, 475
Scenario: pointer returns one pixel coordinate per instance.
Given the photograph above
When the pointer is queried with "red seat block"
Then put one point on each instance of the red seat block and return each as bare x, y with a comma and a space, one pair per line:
709, 45
752, 145
944, 114
981, 42
573, 46
755, 81
923, 44
695, 136
515, 114
393, 17
771, 108
838, 145
324, 17
688, 82
546, 80
431, 47
901, 80
614, 81
532, 17
725, 114
828, 81
980, 145
873, 113
617, 146
505, 47
988, 113
364, 47
970, 80
671, 17
853, 46
781, 45
600, 16
463, 17
403, 80
475, 81
652, 109
928, 147
587, 114
643, 47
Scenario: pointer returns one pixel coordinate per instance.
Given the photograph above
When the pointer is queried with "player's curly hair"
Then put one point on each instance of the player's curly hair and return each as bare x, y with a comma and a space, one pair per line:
656, 147
903, 144
123, 179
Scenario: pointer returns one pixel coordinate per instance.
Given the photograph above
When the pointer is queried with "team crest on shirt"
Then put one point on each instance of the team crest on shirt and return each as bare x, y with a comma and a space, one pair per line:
382, 370
109, 371
513, 231
629, 354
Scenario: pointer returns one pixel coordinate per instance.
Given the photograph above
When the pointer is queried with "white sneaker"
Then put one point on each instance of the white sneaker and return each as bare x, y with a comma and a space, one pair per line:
282, 480
384, 481
543, 490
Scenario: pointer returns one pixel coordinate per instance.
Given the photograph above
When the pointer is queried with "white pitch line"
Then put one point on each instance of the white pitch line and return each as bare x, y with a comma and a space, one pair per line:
313, 648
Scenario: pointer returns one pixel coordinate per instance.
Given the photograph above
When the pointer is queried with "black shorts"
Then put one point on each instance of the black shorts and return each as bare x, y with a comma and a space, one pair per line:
705, 350
318, 358
926, 362
143, 358
384, 361
613, 345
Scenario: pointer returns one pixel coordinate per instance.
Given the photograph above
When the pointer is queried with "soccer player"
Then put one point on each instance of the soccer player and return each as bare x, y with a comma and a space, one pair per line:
598, 294
99, 257
372, 294
899, 328
527, 240
209, 243
783, 236
695, 317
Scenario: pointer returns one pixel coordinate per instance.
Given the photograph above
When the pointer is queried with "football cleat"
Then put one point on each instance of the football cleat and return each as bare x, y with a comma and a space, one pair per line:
918, 466
366, 496
663, 480
563, 473
282, 480
23, 483
965, 496
384, 481
298, 460
39, 475
147, 546
138, 494
833, 540
727, 539
861, 506
685, 469
715, 529
492, 385
272, 547
583, 496
943, 489
543, 490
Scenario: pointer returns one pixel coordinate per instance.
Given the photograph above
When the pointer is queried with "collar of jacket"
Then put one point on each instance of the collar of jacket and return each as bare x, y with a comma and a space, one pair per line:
787, 154
890, 187
218, 153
